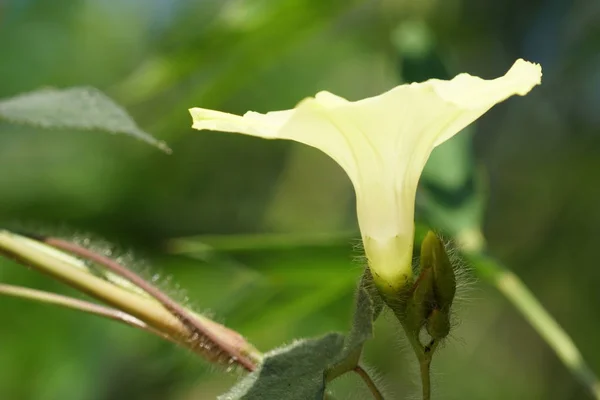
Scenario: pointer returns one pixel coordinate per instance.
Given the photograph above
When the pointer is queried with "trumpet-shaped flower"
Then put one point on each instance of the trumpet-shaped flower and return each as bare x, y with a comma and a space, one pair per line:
383, 143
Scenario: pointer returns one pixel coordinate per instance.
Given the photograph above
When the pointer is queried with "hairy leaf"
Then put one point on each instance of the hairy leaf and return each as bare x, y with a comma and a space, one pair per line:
82, 108
300, 371
367, 308
295, 372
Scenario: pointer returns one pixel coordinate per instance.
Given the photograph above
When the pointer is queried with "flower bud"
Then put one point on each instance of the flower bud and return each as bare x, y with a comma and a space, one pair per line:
421, 301
438, 324
434, 256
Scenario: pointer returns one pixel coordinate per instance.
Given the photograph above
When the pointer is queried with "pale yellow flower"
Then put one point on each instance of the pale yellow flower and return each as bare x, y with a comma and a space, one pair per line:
383, 143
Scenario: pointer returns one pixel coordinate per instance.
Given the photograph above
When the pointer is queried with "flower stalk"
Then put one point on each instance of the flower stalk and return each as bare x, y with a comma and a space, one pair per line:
364, 375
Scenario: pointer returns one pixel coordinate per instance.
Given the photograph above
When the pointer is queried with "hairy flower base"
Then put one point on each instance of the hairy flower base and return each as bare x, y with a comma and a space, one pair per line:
393, 255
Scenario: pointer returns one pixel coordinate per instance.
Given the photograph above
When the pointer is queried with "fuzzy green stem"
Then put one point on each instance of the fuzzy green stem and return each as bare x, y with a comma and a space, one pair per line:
196, 326
377, 395
80, 305
69, 270
424, 354
27, 252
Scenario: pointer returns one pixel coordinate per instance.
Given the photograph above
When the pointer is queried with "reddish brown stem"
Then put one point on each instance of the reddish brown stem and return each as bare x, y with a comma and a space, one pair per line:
377, 395
198, 332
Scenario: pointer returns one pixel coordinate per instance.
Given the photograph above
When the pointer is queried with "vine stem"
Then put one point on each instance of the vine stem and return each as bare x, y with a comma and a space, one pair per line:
80, 305
377, 395
196, 327
213, 341
424, 355
425, 367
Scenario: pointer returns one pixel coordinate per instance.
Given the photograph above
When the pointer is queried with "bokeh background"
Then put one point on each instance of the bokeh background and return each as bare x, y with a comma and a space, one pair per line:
539, 155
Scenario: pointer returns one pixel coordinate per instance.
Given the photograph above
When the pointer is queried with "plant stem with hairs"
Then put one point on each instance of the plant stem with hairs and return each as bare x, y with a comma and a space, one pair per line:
211, 340
80, 305
364, 375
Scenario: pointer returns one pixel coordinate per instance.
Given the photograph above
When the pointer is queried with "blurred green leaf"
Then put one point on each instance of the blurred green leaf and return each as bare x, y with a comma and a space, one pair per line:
82, 108
452, 194
207, 243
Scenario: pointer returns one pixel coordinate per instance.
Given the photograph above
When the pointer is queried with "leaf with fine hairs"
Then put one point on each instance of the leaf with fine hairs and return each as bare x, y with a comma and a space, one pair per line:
82, 108
300, 371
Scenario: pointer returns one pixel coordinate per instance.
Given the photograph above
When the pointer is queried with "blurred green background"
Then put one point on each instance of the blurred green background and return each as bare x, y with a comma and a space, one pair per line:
540, 154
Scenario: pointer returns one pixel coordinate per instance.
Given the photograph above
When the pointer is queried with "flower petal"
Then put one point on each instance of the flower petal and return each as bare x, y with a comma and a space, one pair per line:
267, 126
470, 92
383, 143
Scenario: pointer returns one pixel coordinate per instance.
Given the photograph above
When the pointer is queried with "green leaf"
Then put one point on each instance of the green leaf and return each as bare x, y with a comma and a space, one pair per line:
300, 371
295, 372
367, 308
81, 108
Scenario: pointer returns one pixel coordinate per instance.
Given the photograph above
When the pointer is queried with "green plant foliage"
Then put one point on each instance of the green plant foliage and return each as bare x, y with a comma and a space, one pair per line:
295, 372
300, 371
367, 308
81, 108
157, 58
